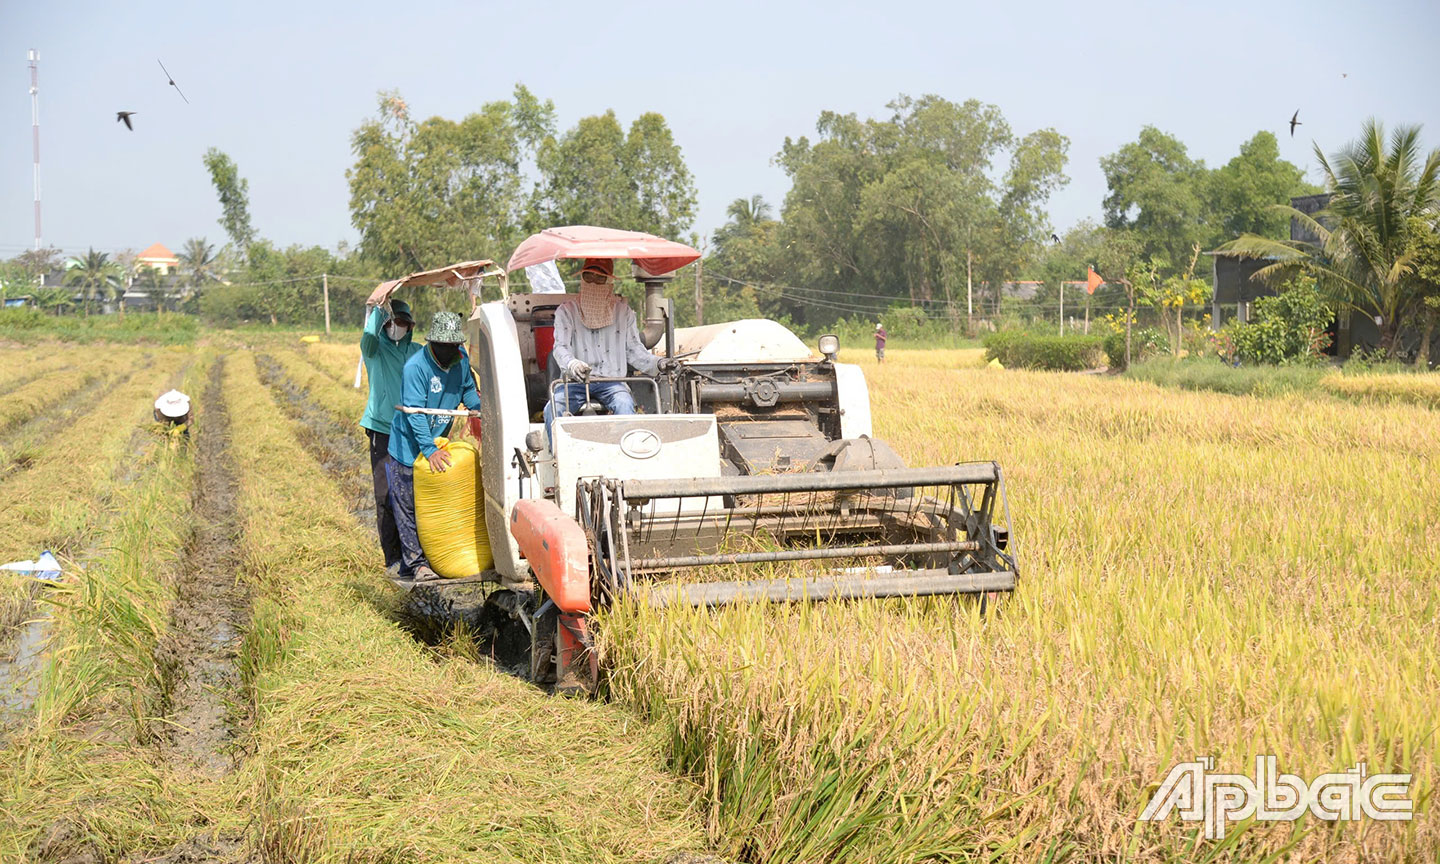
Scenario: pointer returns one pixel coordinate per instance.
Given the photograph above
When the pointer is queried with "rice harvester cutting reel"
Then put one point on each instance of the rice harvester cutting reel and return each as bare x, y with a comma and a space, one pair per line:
749, 473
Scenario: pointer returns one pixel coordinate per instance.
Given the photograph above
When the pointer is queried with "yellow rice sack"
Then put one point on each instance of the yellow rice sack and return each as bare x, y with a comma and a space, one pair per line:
449, 512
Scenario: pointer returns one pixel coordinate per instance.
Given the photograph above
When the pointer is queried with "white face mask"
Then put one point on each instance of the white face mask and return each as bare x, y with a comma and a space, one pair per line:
396, 331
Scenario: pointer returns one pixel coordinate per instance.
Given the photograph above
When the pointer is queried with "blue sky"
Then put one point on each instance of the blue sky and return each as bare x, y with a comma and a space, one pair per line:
280, 86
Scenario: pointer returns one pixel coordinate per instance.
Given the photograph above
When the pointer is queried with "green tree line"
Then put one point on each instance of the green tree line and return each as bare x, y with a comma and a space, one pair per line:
928, 210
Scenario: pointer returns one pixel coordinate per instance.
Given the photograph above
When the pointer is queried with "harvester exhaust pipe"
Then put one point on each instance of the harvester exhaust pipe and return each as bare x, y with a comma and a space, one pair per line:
656, 319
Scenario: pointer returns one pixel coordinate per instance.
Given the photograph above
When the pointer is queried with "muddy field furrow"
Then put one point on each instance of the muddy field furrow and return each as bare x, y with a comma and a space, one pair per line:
341, 451
211, 608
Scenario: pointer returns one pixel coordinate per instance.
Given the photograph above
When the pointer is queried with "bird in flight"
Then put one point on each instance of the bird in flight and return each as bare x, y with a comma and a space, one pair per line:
172, 81
1295, 121
125, 117
1054, 239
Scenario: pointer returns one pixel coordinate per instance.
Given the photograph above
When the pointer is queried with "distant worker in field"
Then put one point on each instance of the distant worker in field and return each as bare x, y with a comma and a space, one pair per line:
173, 409
596, 334
437, 377
385, 345
879, 342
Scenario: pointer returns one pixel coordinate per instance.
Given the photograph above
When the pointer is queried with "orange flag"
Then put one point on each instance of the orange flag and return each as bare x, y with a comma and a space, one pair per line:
1093, 281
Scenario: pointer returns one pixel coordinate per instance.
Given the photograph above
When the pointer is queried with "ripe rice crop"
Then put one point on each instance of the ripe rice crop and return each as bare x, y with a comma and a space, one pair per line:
41, 393
1200, 575
338, 360
368, 746
345, 404
20, 365
1416, 389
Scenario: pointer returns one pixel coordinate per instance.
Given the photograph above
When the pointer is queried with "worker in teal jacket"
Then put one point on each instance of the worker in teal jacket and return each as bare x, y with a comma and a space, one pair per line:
385, 345
437, 377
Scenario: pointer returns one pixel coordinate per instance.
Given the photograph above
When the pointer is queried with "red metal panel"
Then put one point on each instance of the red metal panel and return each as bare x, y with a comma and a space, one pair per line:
555, 546
544, 343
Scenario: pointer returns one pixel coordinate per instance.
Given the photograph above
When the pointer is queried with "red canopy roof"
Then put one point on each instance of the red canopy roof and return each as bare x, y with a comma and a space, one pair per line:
655, 254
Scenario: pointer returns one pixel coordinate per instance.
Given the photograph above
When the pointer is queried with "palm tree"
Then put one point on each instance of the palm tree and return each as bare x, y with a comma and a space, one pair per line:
94, 273
148, 280
55, 299
1365, 256
130, 269
748, 216
198, 265
747, 211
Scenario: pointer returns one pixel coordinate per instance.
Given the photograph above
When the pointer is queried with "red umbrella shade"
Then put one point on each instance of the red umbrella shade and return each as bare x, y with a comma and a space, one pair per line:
655, 255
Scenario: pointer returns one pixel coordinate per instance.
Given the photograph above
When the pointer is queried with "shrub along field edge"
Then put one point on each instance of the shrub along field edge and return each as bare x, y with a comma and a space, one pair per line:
1038, 351
29, 326
1316, 381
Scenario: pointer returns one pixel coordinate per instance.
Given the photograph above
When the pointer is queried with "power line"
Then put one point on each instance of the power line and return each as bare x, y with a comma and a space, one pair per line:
366, 279
843, 294
930, 311
832, 305
317, 277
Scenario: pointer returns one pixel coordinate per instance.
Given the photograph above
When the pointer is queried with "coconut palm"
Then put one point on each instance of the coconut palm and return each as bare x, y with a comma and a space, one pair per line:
53, 299
748, 211
1364, 258
94, 274
148, 280
131, 267
198, 265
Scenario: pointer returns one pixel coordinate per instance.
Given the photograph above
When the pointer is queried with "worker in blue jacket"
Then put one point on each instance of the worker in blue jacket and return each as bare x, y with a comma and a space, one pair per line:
437, 377
385, 345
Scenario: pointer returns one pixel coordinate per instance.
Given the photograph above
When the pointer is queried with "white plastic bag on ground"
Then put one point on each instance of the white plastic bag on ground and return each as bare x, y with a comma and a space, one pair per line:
45, 567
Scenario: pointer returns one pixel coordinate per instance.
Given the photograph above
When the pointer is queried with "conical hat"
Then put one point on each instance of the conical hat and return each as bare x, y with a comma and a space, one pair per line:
173, 404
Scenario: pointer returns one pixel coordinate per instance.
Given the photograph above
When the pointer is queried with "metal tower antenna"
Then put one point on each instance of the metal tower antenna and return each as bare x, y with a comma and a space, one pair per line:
35, 128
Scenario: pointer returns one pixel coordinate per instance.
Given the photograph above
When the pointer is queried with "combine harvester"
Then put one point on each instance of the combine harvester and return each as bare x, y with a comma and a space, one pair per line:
749, 452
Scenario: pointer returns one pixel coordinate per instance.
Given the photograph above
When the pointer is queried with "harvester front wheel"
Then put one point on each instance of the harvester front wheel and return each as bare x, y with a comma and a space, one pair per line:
543, 633
561, 655
577, 669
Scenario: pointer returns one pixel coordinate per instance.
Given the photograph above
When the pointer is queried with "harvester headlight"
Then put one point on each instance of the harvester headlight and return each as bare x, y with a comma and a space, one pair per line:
829, 345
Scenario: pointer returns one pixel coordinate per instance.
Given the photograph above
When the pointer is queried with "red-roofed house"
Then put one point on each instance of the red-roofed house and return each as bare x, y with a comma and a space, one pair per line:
159, 258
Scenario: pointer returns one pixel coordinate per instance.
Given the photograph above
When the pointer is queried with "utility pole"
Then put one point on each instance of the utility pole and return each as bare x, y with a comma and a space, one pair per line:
35, 133
1062, 307
1129, 316
325, 287
969, 297
699, 298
